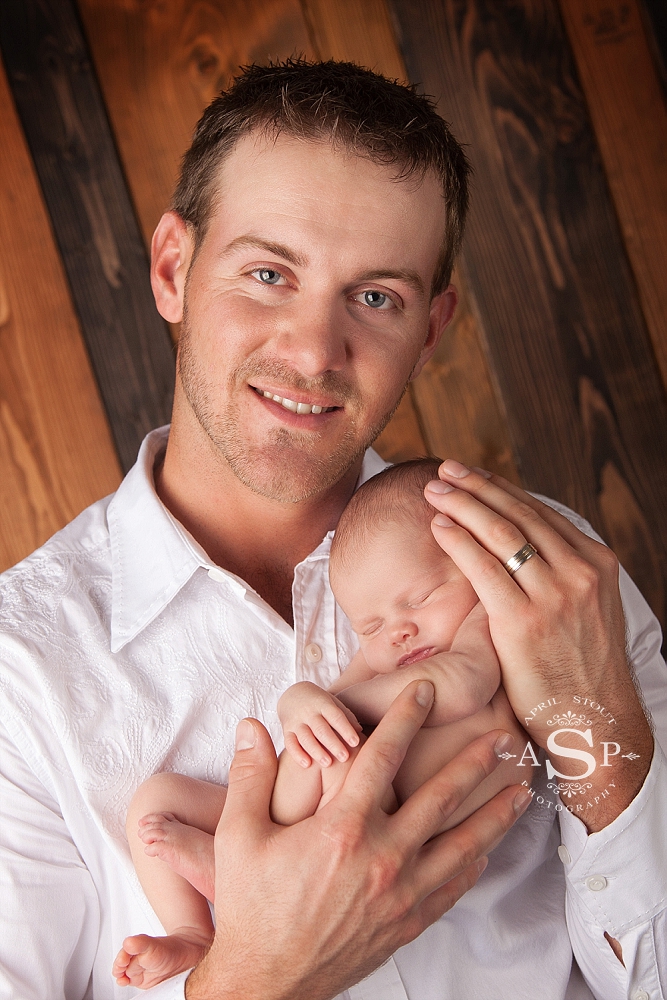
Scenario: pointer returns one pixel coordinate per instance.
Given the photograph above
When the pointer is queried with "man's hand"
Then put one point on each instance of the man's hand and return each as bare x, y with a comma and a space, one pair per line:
557, 624
312, 721
305, 911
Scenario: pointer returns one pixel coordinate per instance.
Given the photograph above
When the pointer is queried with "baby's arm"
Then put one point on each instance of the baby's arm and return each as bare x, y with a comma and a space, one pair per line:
312, 719
465, 678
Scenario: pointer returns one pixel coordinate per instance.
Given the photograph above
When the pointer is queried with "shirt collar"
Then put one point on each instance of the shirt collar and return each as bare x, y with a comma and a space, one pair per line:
152, 555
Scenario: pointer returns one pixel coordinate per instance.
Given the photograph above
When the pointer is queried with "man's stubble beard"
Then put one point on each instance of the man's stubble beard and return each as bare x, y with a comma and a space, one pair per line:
280, 469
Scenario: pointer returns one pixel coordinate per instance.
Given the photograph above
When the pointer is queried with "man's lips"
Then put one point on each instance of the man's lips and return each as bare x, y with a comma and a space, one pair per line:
416, 655
298, 405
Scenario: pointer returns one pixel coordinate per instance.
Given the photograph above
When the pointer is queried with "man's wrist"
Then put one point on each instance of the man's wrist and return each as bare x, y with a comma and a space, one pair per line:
616, 763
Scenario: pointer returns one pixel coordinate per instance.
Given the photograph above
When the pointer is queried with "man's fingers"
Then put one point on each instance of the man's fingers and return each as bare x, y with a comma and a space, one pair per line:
429, 808
445, 896
251, 778
375, 767
451, 853
511, 502
502, 533
572, 535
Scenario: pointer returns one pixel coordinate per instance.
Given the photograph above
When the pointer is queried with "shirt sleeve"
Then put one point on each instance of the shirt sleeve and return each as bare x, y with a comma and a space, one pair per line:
49, 918
616, 879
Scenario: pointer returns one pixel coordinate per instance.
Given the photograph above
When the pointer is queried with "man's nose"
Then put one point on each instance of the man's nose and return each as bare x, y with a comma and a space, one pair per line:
404, 631
313, 342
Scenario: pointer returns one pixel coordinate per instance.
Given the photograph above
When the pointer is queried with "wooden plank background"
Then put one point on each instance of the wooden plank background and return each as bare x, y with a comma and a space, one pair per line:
73, 150
56, 452
551, 372
547, 267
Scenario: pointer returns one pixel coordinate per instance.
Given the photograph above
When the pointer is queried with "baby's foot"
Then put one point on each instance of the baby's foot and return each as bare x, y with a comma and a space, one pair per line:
145, 961
187, 850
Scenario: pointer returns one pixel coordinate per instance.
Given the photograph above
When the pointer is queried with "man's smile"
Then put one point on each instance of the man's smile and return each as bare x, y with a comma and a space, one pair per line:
298, 406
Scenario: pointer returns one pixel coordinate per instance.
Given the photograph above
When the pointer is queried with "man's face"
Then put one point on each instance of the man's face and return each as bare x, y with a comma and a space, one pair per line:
311, 285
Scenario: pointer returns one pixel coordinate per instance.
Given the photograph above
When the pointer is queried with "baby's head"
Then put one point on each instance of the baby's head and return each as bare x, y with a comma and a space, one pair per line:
404, 597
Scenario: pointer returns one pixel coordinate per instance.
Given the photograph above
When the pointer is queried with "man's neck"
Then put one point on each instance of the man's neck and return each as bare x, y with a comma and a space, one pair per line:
259, 539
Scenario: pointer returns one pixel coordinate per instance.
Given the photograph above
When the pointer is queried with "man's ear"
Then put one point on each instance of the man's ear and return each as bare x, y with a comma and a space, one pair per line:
442, 310
171, 253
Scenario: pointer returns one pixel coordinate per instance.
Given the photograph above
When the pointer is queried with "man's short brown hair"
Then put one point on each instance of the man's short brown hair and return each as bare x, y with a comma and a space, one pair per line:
380, 119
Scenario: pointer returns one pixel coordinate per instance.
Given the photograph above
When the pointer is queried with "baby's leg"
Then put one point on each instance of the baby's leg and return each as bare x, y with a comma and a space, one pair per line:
170, 826
300, 791
297, 790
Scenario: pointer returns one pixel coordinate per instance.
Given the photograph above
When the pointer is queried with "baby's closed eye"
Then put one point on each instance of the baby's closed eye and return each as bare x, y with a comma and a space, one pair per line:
372, 629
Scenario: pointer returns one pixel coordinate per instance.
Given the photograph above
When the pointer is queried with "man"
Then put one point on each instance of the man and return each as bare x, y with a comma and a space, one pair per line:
308, 256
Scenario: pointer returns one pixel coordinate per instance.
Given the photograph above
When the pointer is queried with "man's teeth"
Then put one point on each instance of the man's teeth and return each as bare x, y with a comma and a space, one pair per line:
289, 404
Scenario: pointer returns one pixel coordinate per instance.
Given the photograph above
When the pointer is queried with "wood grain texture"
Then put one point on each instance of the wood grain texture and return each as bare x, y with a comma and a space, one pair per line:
160, 64
457, 406
68, 133
402, 438
56, 452
628, 110
546, 264
654, 15
355, 32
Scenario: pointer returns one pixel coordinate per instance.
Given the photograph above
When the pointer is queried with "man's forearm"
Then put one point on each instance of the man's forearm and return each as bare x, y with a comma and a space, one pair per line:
616, 750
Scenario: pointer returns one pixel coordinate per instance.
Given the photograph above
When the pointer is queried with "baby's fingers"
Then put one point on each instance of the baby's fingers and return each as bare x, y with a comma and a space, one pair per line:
296, 751
343, 721
316, 738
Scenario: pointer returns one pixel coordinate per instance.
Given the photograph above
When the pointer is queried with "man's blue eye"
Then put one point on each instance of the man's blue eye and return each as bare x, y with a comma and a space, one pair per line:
375, 299
268, 276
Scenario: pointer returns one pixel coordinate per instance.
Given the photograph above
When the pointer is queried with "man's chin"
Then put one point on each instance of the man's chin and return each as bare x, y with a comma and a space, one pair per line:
290, 475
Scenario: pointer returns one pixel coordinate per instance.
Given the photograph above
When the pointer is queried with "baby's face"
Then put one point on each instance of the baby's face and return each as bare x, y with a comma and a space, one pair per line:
404, 597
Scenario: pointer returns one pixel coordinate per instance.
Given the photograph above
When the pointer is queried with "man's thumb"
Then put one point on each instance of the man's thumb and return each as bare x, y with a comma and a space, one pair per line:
252, 775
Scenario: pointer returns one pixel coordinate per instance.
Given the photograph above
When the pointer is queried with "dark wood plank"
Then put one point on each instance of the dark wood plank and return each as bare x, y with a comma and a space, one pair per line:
63, 116
456, 402
56, 452
629, 114
654, 13
402, 438
546, 265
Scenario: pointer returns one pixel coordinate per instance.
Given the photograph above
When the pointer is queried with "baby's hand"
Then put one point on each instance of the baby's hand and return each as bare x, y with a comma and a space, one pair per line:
311, 718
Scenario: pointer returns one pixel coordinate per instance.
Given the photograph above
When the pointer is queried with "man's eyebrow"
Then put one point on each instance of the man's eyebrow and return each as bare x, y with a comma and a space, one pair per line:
410, 278
250, 242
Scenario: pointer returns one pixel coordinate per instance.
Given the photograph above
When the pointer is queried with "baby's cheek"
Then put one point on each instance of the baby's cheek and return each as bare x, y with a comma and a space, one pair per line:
378, 657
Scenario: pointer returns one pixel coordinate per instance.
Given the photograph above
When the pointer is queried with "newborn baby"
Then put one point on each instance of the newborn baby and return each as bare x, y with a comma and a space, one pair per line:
416, 617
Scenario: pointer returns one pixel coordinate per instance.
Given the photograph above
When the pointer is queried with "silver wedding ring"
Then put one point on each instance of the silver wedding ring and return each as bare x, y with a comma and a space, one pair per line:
519, 558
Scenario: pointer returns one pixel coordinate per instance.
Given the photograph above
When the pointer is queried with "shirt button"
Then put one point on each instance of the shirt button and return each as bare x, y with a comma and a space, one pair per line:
640, 995
564, 855
217, 575
313, 652
596, 882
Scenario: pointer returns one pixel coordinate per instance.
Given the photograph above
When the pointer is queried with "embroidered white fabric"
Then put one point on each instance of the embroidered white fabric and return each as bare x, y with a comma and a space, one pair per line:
122, 655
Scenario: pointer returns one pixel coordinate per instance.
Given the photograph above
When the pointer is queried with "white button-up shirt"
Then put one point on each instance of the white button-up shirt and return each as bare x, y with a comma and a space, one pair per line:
124, 651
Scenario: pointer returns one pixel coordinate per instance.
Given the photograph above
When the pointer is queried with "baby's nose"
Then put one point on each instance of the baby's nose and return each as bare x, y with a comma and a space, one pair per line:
405, 631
